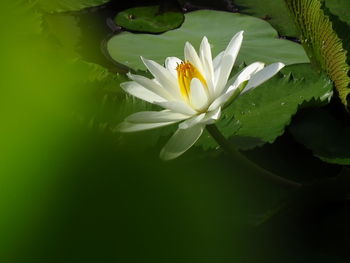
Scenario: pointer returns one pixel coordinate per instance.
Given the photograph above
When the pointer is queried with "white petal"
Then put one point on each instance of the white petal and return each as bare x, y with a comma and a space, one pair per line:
243, 76
246, 74
228, 59
263, 75
207, 62
206, 57
212, 116
221, 100
133, 127
204, 118
217, 60
180, 142
155, 117
222, 74
171, 64
234, 46
192, 121
151, 85
205, 51
198, 95
178, 106
192, 56
140, 92
164, 77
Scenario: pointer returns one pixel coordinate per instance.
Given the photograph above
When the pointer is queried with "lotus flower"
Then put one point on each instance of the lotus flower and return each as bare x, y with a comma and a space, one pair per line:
193, 92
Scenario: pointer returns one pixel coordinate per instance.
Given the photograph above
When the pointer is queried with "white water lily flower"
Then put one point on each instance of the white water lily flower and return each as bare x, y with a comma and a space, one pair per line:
192, 91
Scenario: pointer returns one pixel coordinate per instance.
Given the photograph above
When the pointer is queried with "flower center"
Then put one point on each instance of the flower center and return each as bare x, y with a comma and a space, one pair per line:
185, 73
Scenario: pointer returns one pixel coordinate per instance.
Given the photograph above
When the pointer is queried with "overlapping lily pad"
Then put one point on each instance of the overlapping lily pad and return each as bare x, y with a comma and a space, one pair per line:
149, 19
340, 8
260, 43
273, 11
326, 136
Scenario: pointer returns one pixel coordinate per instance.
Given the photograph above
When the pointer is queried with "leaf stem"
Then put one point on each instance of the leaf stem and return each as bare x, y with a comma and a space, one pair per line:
246, 163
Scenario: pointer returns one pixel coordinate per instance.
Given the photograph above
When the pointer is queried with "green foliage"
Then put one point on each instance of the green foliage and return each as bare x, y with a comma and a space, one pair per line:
260, 40
322, 43
273, 11
106, 104
149, 19
54, 6
326, 136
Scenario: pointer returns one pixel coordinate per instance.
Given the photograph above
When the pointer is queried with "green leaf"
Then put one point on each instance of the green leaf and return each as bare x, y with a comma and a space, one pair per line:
54, 6
324, 135
273, 11
321, 42
149, 19
260, 40
264, 112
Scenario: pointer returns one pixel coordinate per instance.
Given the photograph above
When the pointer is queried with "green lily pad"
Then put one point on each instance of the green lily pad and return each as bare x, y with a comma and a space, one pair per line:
324, 135
261, 115
265, 112
54, 6
273, 11
149, 19
260, 42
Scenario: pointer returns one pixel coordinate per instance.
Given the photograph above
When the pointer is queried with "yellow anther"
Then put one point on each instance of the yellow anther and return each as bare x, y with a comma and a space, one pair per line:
186, 72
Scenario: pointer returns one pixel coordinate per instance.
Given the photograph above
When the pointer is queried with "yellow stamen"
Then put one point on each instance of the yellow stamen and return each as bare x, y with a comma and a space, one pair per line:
186, 72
